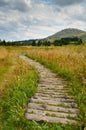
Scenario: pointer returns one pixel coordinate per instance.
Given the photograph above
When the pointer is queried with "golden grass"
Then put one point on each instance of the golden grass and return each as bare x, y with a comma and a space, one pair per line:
18, 85
3, 56
8, 61
70, 63
3, 52
11, 66
68, 58
71, 59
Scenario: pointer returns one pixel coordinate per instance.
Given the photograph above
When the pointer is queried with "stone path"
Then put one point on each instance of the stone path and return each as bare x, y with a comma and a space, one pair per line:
51, 103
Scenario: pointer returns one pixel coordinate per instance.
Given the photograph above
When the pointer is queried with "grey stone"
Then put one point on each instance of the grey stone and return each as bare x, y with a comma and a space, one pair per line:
51, 102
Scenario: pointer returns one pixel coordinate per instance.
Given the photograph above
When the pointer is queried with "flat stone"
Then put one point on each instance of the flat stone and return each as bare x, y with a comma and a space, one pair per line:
51, 113
53, 98
52, 93
51, 90
54, 102
51, 103
40, 118
45, 106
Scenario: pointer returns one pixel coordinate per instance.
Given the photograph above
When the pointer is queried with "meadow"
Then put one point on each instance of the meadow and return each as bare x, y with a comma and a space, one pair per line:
69, 62
18, 82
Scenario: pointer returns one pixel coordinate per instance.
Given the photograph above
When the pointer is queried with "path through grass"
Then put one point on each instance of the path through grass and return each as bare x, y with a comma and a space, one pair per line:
21, 83
70, 63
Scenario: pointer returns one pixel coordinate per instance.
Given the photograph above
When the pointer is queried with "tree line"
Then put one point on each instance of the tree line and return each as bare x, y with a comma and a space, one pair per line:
62, 41
13, 43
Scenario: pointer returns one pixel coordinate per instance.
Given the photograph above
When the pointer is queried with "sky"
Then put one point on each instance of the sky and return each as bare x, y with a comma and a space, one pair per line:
33, 19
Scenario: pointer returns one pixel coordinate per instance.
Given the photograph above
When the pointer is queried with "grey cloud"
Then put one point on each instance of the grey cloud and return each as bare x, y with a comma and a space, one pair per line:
79, 17
37, 18
66, 2
76, 13
4, 3
20, 5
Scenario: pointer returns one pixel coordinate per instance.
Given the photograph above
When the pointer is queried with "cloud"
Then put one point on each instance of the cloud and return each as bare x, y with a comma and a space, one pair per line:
4, 2
20, 5
66, 2
27, 19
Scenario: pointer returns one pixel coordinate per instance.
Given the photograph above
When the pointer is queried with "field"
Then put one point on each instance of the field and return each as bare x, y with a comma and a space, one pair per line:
18, 82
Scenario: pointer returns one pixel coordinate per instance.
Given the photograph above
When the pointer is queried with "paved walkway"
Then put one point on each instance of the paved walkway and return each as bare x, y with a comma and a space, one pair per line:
51, 102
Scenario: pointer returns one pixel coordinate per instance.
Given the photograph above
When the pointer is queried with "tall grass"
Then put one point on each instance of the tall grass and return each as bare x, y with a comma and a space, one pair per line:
5, 64
67, 58
70, 63
21, 85
3, 61
20, 82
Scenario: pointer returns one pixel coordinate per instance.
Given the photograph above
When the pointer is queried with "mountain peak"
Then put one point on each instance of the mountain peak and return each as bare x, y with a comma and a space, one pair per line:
68, 32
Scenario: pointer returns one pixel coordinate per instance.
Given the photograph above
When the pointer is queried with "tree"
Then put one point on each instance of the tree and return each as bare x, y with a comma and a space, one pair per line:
33, 43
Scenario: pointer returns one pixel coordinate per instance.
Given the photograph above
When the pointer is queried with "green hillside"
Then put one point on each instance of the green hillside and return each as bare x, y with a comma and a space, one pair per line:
70, 32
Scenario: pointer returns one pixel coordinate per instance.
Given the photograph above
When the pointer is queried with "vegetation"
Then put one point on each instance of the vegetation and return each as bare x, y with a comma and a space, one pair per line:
19, 81
4, 62
62, 41
64, 37
20, 85
70, 63
68, 40
69, 32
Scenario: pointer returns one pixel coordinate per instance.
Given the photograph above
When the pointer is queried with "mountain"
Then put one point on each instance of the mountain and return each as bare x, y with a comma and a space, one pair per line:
70, 32
66, 33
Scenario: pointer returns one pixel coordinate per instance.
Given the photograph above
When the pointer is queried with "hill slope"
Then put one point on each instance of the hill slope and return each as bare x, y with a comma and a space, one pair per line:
70, 32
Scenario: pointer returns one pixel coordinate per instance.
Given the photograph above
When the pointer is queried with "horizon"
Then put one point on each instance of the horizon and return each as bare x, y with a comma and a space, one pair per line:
43, 37
37, 19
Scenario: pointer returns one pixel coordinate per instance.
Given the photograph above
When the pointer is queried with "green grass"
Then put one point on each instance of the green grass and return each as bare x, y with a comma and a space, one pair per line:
15, 99
14, 104
17, 93
76, 87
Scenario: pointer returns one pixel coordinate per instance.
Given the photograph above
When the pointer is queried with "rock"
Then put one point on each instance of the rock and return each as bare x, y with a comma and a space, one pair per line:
51, 102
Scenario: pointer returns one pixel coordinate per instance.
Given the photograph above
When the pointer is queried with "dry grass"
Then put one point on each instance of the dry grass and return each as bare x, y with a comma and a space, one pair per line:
18, 84
70, 63
68, 58
3, 56
9, 60
20, 80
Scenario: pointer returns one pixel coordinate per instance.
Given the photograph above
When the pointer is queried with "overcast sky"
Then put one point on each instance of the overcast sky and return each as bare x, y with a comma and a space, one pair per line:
27, 19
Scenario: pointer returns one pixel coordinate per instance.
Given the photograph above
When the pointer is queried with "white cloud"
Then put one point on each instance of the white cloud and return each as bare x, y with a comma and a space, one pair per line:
27, 19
